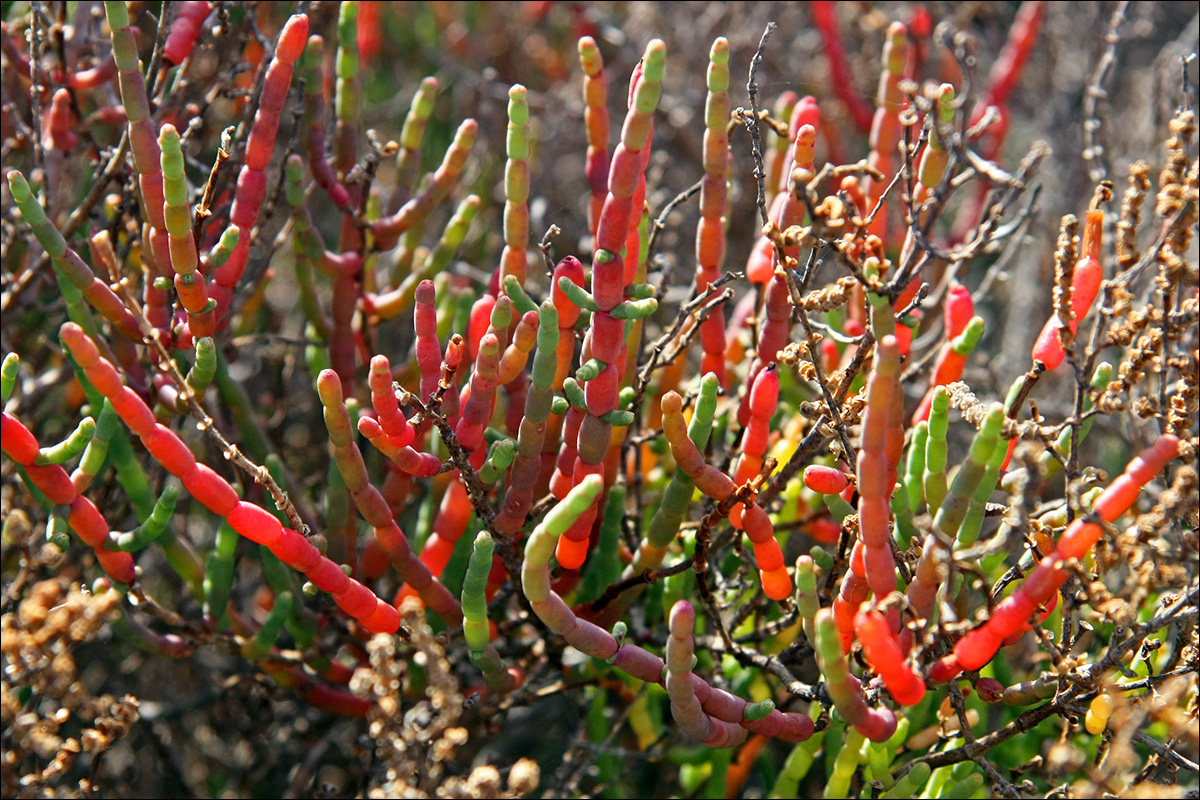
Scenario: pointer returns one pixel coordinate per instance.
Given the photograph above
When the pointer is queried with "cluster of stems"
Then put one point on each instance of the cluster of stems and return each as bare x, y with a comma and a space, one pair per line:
217, 495
716, 484
252, 180
614, 267
532, 407
707, 711
977, 647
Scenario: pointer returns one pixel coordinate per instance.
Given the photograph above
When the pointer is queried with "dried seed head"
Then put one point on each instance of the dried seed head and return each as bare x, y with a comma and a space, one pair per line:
1065, 256
1131, 214
524, 776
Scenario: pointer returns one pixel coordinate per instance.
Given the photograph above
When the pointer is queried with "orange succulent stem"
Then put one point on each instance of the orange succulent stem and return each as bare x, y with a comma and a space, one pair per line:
980, 644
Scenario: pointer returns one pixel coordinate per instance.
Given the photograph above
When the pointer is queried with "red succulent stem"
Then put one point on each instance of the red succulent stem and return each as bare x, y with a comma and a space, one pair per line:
185, 30
612, 267
852, 593
788, 209
58, 123
632, 659
215, 493
316, 122
143, 145
980, 645
1085, 285
451, 521
387, 230
772, 337
52, 480
374, 508
882, 649
824, 17
252, 181
763, 399
428, 349
369, 31
1022, 36
779, 152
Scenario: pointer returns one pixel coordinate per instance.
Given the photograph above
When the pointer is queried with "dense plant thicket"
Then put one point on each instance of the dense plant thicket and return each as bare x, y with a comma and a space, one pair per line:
388, 387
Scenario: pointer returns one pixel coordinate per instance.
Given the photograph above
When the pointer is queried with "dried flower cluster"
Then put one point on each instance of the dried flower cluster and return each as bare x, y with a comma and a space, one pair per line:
50, 716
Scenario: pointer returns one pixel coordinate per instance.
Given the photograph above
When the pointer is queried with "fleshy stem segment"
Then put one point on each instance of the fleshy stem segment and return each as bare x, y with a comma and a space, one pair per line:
630, 658
215, 493
712, 481
374, 508
595, 118
143, 144
885, 128
516, 189
882, 649
876, 477
531, 434
685, 707
185, 260
876, 724
1084, 284
476, 628
710, 233
52, 480
252, 181
606, 337
75, 279
664, 525
979, 645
